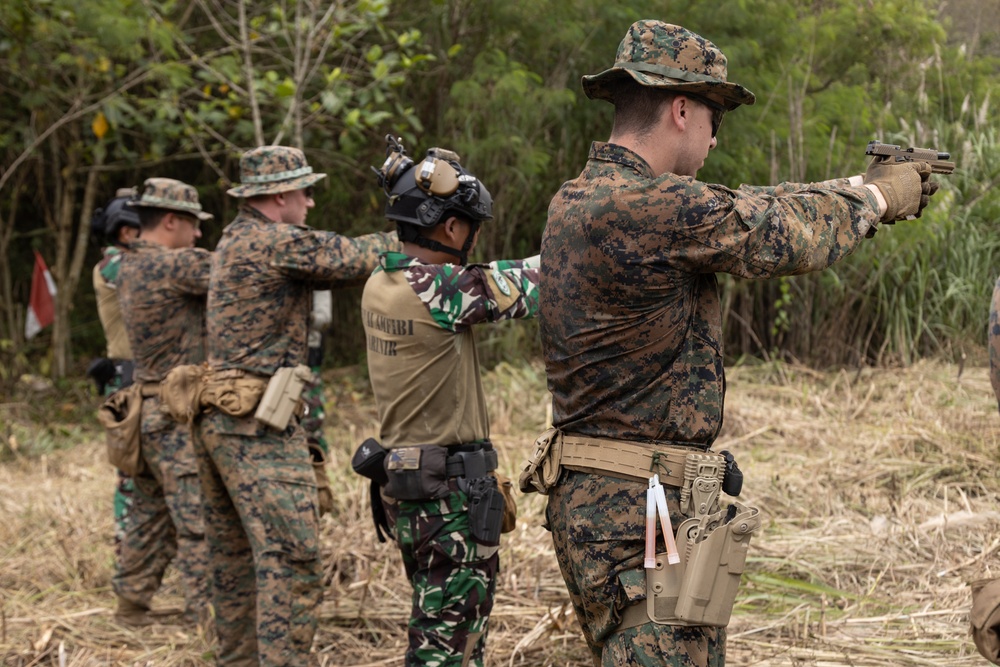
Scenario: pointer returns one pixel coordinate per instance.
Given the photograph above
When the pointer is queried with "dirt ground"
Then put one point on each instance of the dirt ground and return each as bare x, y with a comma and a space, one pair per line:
878, 489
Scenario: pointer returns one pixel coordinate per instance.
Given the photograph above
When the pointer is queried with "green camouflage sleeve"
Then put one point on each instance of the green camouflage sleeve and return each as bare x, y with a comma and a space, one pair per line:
720, 230
459, 297
994, 341
328, 259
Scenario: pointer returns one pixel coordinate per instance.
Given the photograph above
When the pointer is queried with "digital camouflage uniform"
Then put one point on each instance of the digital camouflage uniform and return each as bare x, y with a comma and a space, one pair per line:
258, 484
631, 328
424, 370
994, 341
109, 311
162, 292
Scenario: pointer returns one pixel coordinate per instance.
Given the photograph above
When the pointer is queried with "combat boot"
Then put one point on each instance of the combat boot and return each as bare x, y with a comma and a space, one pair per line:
131, 614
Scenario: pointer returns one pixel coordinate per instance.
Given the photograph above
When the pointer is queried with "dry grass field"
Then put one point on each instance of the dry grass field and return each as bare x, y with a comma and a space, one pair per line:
879, 490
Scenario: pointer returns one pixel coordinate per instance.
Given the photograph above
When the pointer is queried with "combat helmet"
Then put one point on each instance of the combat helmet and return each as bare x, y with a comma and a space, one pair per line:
422, 195
114, 215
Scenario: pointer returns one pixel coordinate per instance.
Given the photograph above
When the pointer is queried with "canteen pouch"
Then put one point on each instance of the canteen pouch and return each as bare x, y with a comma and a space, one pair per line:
509, 503
541, 472
281, 398
369, 461
121, 417
324, 492
180, 392
713, 569
486, 510
417, 473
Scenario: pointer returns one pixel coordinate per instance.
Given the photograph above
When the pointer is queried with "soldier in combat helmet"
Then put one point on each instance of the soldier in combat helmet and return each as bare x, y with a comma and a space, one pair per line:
442, 498
631, 320
117, 225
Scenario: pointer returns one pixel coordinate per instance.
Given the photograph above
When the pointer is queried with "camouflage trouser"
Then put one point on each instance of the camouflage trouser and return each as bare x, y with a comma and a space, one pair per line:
598, 528
312, 421
123, 487
453, 579
262, 527
166, 517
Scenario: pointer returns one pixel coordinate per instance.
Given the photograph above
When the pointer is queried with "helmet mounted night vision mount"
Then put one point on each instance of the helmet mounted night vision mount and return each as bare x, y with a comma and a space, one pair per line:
422, 195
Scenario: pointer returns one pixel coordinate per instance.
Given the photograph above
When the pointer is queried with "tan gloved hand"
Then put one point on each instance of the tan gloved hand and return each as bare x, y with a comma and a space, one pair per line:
906, 187
322, 480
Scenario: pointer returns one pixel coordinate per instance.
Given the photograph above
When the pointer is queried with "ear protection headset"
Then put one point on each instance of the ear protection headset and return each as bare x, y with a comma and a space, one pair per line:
425, 194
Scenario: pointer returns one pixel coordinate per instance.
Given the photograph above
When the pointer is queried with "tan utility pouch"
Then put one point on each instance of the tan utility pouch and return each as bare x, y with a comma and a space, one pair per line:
701, 589
234, 393
985, 618
180, 391
281, 398
541, 472
121, 417
509, 505
322, 479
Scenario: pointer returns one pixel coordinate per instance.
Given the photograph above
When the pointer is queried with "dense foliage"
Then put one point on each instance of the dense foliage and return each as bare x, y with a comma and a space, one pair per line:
105, 93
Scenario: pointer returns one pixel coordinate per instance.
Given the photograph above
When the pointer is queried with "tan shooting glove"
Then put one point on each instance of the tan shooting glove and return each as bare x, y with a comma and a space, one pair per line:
906, 187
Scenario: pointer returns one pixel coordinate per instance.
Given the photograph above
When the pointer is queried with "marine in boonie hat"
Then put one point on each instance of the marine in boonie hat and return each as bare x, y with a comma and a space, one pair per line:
171, 195
673, 58
270, 170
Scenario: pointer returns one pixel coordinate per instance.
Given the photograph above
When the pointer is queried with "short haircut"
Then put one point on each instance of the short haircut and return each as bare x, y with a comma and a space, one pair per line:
149, 218
637, 107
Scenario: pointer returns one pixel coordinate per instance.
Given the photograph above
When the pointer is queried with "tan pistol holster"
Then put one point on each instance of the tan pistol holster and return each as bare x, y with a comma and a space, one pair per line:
281, 398
713, 542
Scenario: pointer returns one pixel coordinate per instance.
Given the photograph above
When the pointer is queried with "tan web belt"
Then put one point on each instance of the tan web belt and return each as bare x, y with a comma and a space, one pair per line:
626, 459
149, 389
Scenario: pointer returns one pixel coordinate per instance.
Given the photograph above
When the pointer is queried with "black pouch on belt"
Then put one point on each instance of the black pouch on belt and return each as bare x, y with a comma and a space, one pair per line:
417, 473
486, 504
368, 461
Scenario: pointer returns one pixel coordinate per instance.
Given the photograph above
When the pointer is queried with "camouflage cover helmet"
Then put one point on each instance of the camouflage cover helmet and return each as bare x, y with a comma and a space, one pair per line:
671, 58
425, 194
271, 170
109, 219
170, 194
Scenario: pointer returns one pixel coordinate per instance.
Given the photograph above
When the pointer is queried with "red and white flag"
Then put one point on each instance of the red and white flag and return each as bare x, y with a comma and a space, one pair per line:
41, 305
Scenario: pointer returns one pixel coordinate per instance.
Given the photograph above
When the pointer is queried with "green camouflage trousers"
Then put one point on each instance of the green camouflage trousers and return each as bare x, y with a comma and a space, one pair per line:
165, 521
124, 486
453, 579
312, 421
262, 527
598, 527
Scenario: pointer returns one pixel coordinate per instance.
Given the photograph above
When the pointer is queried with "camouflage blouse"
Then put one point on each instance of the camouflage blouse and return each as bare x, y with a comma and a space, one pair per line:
162, 293
263, 277
105, 278
422, 357
631, 321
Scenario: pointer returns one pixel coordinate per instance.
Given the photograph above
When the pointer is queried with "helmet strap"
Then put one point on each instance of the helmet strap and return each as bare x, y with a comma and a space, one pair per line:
411, 234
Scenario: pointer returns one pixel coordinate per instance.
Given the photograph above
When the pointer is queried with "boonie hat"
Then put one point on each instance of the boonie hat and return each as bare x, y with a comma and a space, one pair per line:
670, 57
270, 170
172, 195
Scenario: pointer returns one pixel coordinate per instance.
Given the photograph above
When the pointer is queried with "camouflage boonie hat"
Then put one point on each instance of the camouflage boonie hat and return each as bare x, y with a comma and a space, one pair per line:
672, 58
171, 195
270, 170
